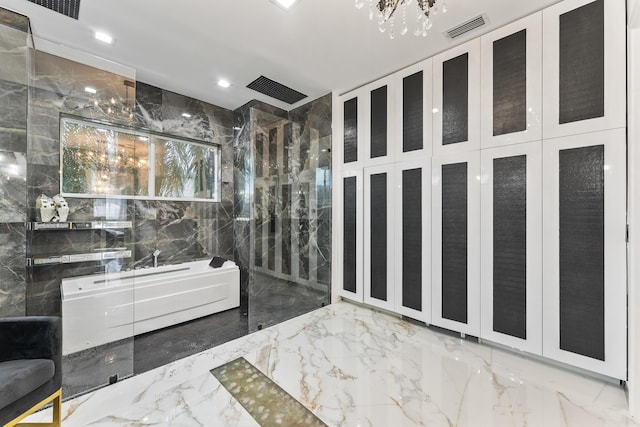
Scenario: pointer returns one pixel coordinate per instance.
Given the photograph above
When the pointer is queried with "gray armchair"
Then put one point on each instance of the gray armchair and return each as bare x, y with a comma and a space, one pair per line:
30, 367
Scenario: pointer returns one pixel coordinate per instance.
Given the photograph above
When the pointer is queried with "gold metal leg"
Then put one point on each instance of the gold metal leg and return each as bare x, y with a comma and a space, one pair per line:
56, 398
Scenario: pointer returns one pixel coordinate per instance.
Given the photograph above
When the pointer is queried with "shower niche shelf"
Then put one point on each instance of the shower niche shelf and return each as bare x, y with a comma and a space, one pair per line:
78, 225
80, 257
79, 247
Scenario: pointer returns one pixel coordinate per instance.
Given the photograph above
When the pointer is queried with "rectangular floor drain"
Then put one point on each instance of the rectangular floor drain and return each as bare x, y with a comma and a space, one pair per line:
265, 401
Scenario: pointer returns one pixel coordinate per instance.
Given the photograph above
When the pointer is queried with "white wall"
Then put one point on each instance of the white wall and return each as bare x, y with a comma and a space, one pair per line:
633, 52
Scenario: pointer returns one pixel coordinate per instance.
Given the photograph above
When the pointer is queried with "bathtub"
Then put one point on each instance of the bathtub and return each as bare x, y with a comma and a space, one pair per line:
103, 308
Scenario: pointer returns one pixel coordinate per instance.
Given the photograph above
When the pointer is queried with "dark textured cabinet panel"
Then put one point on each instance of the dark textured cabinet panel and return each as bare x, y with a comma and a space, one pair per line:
273, 151
582, 63
286, 229
350, 121
258, 229
349, 235
510, 84
510, 246
259, 154
454, 242
455, 100
412, 238
378, 232
412, 112
379, 122
581, 197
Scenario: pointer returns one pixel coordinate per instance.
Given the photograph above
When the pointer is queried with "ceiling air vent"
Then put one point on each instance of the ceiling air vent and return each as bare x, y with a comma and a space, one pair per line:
69, 8
465, 27
276, 90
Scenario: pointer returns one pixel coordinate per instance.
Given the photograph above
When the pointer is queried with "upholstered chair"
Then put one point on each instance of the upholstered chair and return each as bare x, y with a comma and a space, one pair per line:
30, 368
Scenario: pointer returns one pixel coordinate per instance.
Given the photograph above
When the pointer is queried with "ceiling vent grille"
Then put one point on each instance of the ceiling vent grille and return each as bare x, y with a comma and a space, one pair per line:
465, 27
276, 90
70, 8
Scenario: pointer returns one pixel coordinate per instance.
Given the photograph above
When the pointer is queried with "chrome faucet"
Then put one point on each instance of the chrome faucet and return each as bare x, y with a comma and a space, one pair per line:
155, 257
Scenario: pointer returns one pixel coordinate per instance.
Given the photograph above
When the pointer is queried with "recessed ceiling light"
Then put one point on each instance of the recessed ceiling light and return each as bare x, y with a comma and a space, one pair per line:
186, 115
224, 83
89, 89
286, 3
103, 37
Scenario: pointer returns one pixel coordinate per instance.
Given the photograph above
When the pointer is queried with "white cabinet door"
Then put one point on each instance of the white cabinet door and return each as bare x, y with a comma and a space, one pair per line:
512, 83
584, 53
456, 99
378, 101
511, 241
414, 123
378, 236
349, 239
455, 250
413, 239
352, 130
584, 223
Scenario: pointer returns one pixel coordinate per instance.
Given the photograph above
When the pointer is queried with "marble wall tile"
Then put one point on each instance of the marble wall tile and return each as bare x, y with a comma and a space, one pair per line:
13, 53
13, 191
14, 34
59, 84
12, 269
43, 290
13, 105
148, 112
11, 19
13, 140
145, 229
43, 142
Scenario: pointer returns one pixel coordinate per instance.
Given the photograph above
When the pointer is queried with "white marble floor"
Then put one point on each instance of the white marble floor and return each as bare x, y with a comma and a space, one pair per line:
352, 366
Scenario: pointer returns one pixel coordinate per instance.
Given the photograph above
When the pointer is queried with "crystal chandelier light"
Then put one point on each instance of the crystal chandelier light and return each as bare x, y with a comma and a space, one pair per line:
385, 13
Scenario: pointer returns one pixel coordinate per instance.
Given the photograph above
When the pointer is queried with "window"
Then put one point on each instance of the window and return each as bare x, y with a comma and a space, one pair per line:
105, 160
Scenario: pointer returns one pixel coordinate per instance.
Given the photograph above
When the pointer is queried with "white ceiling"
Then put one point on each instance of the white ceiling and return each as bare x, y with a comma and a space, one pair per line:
317, 47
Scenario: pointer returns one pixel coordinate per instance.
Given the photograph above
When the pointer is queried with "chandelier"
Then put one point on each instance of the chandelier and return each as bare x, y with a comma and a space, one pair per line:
385, 13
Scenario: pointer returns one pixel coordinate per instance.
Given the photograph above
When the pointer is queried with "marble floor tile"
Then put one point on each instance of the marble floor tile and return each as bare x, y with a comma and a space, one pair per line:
353, 366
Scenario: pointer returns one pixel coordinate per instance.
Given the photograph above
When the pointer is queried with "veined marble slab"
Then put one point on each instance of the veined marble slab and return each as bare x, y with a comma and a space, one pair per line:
352, 366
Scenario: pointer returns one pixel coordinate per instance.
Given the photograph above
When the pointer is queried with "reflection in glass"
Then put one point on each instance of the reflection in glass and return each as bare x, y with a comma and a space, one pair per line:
103, 160
185, 170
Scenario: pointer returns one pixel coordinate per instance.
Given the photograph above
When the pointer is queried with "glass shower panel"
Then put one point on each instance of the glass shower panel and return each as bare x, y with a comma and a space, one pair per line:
289, 271
78, 264
14, 57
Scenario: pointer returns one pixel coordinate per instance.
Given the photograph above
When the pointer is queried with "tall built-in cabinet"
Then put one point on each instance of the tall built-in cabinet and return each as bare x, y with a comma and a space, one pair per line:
511, 212
483, 190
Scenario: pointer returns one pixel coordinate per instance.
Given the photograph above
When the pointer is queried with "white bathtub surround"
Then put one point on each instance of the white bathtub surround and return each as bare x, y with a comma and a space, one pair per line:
352, 366
103, 308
